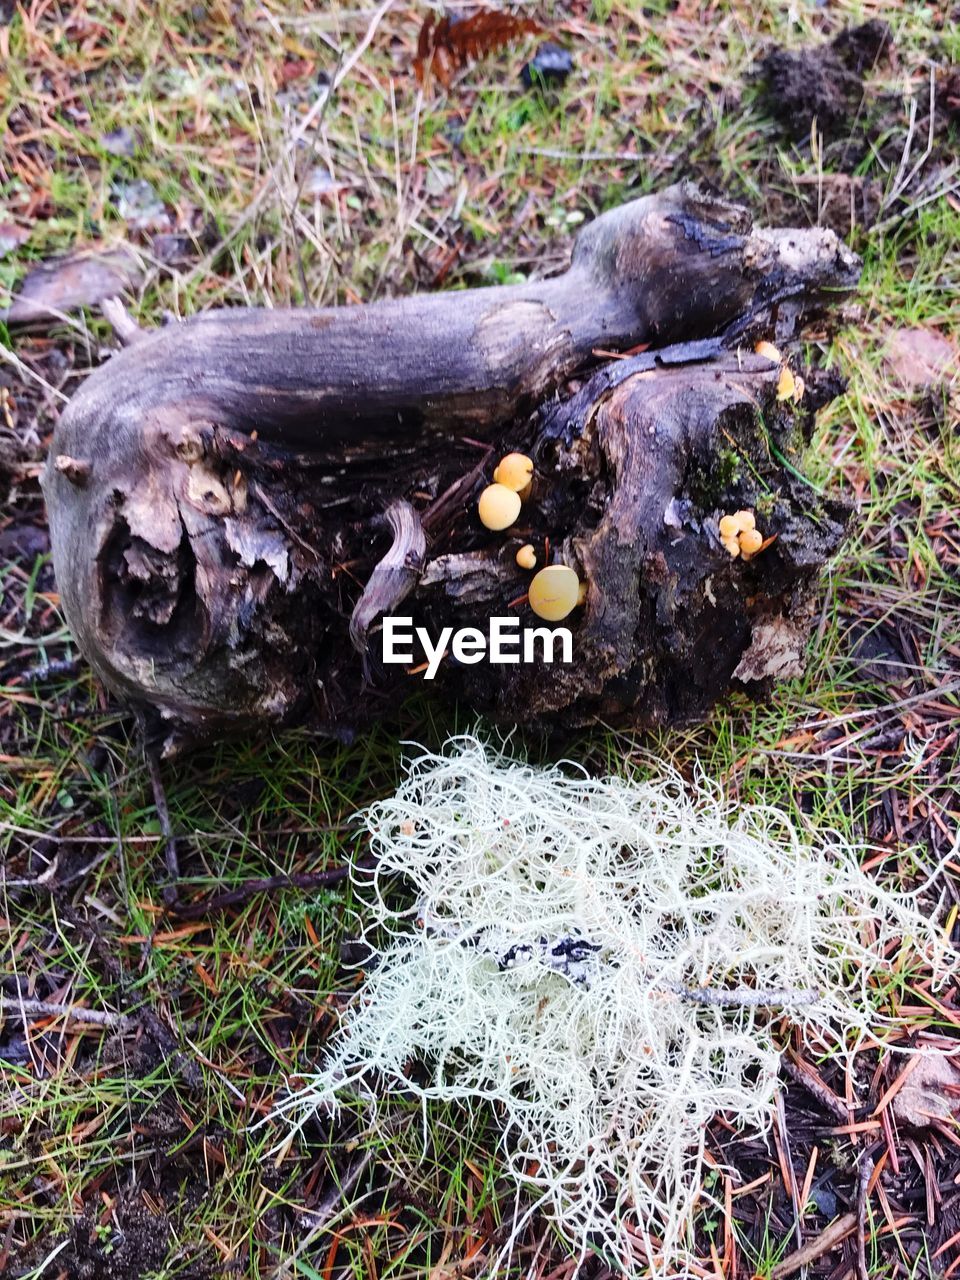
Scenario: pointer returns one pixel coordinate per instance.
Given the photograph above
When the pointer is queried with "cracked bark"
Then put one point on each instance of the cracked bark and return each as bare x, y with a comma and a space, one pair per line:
236, 500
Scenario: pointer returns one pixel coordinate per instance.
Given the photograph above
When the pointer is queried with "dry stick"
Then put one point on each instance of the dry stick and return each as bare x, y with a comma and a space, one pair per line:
816, 1090
782, 1139
747, 998
333, 1201
867, 1165
31, 882
250, 888
121, 322
814, 1249
453, 497
170, 857
47, 670
49, 1009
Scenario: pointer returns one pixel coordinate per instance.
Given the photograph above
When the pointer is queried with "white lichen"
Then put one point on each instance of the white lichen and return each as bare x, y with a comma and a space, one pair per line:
698, 935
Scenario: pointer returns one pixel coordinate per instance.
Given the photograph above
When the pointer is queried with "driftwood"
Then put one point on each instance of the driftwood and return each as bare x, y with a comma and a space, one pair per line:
237, 500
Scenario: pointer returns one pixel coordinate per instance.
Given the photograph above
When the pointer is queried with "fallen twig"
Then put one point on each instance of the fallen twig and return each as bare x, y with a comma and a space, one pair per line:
814, 1249
863, 1184
122, 323
747, 998
816, 1089
170, 856
20, 1005
303, 880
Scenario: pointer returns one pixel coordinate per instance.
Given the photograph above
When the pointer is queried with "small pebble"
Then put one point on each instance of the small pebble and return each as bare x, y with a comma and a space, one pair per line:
550, 65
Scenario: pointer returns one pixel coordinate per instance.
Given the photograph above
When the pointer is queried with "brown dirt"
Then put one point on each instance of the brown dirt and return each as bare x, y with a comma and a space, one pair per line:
824, 83
130, 1243
831, 89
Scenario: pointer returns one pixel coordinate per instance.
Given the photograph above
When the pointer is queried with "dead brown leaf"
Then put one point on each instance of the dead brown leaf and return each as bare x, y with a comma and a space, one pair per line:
12, 237
921, 357
294, 69
80, 279
447, 45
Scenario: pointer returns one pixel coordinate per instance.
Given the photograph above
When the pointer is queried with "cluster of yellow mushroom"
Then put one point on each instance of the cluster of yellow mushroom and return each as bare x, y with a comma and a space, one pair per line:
515, 472
556, 590
499, 503
740, 535
789, 385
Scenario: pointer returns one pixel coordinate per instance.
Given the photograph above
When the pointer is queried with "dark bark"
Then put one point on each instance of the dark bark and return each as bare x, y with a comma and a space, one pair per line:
236, 500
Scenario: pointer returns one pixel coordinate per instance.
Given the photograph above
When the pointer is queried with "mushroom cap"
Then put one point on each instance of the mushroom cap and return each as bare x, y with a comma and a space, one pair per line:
751, 540
554, 592
527, 557
786, 385
729, 526
498, 506
515, 471
769, 350
745, 520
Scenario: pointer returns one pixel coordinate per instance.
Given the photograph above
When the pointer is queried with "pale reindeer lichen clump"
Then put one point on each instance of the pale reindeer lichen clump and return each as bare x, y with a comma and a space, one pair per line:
611, 963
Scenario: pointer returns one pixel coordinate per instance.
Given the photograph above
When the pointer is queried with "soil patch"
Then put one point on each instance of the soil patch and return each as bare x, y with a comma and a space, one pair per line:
824, 83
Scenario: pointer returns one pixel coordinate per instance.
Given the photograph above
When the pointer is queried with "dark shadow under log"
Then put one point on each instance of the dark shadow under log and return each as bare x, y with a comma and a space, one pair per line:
235, 501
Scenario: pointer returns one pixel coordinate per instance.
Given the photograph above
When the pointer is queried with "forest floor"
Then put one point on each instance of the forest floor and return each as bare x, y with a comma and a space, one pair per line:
284, 153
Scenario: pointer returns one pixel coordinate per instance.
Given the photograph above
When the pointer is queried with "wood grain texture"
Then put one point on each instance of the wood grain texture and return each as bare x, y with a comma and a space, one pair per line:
218, 492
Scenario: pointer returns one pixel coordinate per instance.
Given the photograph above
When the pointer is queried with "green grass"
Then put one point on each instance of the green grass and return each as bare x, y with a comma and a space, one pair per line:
90, 1120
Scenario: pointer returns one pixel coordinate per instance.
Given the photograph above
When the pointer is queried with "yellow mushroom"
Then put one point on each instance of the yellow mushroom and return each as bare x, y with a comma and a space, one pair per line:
515, 471
786, 385
554, 592
498, 507
751, 540
527, 557
729, 526
769, 350
732, 546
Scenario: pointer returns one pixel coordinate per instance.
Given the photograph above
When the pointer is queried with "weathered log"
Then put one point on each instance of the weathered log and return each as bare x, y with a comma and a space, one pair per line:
234, 501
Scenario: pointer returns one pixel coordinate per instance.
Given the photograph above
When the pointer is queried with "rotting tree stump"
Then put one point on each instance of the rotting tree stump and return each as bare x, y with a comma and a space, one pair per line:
237, 500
